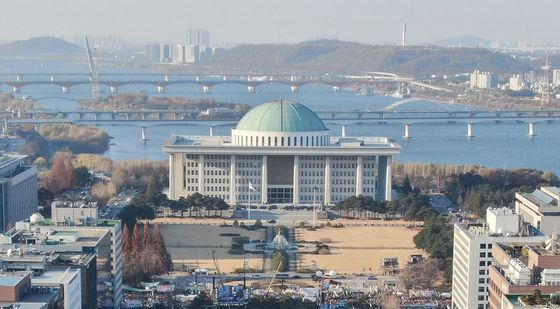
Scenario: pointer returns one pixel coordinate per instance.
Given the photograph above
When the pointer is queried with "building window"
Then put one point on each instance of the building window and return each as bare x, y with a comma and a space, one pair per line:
295, 141
282, 141
482, 254
482, 246
275, 141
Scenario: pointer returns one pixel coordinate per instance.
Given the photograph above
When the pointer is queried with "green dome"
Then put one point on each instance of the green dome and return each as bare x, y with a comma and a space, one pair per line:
281, 116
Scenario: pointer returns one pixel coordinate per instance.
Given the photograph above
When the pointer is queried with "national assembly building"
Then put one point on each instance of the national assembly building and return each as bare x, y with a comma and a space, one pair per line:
280, 153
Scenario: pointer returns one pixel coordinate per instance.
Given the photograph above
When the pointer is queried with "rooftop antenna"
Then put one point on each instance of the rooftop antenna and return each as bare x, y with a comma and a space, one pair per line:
92, 61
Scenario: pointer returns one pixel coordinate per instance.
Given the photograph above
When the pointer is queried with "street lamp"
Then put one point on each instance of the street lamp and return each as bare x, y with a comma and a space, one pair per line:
314, 208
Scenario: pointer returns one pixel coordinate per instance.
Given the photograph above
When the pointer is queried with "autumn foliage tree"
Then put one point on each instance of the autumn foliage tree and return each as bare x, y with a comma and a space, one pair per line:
61, 175
145, 254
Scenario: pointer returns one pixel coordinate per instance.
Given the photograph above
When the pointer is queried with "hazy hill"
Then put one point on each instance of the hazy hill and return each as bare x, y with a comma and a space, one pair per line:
39, 46
346, 57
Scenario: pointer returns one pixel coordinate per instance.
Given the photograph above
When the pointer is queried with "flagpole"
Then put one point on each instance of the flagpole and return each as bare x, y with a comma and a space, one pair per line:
249, 211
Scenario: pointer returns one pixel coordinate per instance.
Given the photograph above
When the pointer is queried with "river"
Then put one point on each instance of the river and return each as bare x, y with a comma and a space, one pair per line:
504, 145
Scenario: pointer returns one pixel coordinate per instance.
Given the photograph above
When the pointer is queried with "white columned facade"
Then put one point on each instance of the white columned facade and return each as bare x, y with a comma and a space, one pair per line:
179, 174
327, 198
232, 180
172, 195
201, 174
359, 175
296, 180
264, 180
388, 178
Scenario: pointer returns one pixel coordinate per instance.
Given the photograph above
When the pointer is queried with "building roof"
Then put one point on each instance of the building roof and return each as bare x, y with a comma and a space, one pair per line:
11, 280
281, 116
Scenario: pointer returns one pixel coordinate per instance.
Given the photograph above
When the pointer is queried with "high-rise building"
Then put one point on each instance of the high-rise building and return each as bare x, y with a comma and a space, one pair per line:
192, 54
18, 190
483, 80
540, 208
516, 83
197, 37
164, 53
472, 254
68, 280
178, 53
153, 52
556, 78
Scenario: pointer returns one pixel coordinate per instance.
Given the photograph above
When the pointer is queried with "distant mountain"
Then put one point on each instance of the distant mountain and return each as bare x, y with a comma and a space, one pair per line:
39, 46
464, 41
348, 57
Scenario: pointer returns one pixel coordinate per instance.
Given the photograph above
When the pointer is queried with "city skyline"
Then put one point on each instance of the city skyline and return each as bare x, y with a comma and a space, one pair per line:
284, 22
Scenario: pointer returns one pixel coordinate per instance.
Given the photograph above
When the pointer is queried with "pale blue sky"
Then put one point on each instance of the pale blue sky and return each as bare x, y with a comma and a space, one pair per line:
257, 21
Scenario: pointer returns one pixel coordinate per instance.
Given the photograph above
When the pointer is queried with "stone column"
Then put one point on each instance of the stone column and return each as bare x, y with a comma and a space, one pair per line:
327, 180
296, 180
388, 178
264, 180
172, 195
179, 174
359, 175
232, 181
201, 174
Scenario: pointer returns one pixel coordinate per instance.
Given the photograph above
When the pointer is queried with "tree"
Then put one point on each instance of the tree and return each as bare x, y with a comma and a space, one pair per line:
406, 187
61, 174
436, 238
127, 241
130, 214
82, 177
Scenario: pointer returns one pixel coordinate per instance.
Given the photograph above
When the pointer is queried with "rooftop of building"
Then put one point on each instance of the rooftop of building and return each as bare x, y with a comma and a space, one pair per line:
281, 116
60, 203
55, 276
544, 197
334, 143
11, 279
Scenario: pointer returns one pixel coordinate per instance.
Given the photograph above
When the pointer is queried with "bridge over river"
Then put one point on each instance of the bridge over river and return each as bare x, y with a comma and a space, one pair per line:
408, 118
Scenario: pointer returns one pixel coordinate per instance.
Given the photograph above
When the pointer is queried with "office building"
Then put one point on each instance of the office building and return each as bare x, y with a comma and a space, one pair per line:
153, 52
519, 270
540, 208
68, 280
18, 190
164, 53
18, 291
483, 80
516, 83
73, 213
77, 247
556, 78
281, 153
472, 254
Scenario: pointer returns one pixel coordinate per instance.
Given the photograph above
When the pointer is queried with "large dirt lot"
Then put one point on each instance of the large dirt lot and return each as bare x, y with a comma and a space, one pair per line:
359, 249
188, 243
